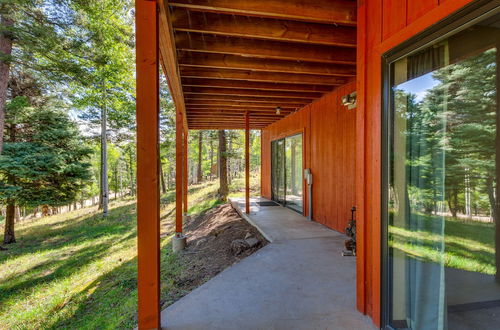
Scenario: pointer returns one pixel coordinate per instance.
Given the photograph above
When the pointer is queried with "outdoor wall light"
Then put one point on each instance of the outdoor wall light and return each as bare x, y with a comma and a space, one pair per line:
278, 110
349, 100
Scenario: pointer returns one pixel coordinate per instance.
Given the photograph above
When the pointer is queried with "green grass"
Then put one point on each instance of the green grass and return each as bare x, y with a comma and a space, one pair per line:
78, 270
468, 245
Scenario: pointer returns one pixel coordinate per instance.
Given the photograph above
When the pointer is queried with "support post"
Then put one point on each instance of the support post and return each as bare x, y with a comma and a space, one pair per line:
179, 164
247, 162
148, 194
186, 171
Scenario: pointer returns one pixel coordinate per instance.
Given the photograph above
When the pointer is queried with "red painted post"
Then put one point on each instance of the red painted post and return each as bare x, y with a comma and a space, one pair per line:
185, 172
247, 162
148, 194
179, 164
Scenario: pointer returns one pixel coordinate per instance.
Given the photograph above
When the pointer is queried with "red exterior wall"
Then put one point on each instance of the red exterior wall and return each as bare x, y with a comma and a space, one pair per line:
382, 25
329, 151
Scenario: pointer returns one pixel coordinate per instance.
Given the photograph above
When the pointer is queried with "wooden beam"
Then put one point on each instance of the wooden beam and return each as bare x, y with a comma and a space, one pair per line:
179, 170
321, 11
264, 48
185, 172
287, 90
148, 194
274, 77
228, 127
249, 105
236, 107
249, 92
247, 162
263, 28
238, 113
233, 116
236, 98
232, 112
168, 56
222, 61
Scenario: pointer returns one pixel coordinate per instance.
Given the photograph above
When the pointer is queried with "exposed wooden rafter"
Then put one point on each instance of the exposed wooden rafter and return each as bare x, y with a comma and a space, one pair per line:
274, 77
321, 11
264, 48
244, 92
315, 90
222, 61
233, 56
253, 99
263, 28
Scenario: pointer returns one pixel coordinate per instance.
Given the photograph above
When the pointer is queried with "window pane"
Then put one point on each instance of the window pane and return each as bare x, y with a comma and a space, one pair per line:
293, 152
443, 177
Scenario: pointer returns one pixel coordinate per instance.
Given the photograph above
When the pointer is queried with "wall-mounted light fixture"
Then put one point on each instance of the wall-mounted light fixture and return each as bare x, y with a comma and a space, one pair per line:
278, 110
350, 100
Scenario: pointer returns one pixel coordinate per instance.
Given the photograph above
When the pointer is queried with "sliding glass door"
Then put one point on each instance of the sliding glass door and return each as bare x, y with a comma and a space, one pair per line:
287, 168
278, 171
441, 191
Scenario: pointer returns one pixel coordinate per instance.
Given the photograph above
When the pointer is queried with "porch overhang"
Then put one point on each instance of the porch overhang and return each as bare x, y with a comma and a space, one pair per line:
230, 64
223, 59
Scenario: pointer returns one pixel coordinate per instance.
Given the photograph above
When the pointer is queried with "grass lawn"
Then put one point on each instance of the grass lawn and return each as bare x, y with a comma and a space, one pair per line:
469, 245
79, 270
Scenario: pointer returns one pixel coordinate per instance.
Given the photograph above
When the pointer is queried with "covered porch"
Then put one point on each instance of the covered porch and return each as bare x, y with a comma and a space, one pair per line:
248, 65
299, 281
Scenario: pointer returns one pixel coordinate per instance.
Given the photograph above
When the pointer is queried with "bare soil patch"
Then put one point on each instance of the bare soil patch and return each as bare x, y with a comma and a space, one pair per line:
215, 240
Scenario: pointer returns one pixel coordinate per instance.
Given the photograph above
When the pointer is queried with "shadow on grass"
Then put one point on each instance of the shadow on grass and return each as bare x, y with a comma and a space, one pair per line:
110, 302
66, 250
44, 237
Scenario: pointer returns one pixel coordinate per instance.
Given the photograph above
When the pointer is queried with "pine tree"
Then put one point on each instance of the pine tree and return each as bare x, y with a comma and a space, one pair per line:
43, 162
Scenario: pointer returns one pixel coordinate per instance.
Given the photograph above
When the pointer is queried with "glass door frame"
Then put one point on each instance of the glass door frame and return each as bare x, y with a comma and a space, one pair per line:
283, 138
460, 20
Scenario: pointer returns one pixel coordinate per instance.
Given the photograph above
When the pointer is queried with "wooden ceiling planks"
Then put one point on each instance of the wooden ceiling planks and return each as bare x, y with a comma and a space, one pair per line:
224, 61
235, 56
316, 90
207, 43
336, 12
263, 28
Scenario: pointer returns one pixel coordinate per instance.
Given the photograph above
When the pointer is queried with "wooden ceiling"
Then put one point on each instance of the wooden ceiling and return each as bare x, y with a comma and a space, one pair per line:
234, 56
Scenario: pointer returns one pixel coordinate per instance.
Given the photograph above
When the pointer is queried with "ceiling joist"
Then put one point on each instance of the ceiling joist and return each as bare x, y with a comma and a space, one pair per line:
244, 92
336, 12
222, 61
253, 99
274, 77
263, 28
227, 58
313, 91
264, 48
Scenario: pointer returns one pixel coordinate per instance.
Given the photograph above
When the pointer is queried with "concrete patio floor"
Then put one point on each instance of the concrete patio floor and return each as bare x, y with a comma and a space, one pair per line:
299, 281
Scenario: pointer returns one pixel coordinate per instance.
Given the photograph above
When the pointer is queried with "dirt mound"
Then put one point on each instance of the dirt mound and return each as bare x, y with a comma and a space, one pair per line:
215, 241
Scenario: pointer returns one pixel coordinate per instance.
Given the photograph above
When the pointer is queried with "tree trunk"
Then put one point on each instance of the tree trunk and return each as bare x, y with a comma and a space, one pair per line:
162, 180
131, 174
491, 198
9, 235
5, 50
200, 156
10, 214
223, 188
17, 214
211, 156
229, 151
453, 206
104, 195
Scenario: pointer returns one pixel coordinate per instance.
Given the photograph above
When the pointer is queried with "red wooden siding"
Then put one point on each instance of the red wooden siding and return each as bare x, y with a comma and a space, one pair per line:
329, 151
382, 25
